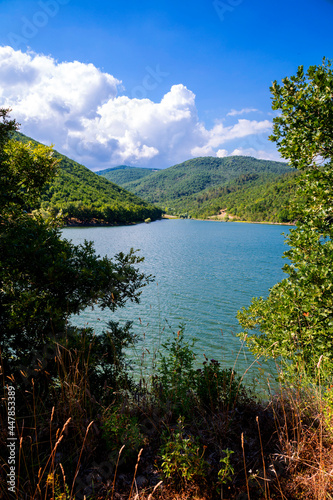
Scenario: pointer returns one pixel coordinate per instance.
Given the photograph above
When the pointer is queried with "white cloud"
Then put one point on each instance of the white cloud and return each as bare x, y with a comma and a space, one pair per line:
261, 154
77, 107
234, 112
221, 153
243, 128
203, 151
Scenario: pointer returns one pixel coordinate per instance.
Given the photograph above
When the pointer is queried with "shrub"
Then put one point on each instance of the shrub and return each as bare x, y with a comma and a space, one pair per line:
120, 428
175, 381
216, 386
182, 457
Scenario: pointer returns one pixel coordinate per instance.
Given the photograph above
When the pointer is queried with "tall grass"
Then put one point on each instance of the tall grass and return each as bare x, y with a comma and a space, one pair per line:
230, 443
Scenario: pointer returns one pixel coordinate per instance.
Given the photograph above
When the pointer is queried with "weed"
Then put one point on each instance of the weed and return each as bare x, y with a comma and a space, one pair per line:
328, 409
225, 472
175, 379
182, 460
53, 482
216, 386
120, 428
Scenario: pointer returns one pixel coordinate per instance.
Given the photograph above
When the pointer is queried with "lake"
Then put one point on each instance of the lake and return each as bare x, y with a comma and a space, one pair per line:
205, 271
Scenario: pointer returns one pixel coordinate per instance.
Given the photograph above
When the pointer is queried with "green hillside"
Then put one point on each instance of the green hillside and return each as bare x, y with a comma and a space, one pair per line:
246, 187
84, 195
250, 197
124, 174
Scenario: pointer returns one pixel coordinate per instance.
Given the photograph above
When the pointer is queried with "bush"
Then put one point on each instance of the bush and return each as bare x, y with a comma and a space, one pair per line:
175, 381
216, 386
182, 457
120, 428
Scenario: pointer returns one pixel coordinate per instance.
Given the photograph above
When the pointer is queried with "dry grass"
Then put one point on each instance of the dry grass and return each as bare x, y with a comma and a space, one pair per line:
283, 449
305, 443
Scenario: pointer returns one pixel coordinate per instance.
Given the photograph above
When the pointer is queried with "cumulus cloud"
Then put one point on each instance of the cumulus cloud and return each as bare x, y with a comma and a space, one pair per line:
243, 128
222, 153
77, 107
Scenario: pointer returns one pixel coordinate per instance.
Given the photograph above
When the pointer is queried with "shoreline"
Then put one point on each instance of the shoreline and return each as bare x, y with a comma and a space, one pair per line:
73, 222
98, 223
252, 222
212, 219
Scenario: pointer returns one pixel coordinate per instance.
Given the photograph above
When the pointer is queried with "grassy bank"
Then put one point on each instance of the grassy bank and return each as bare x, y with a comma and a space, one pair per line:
181, 433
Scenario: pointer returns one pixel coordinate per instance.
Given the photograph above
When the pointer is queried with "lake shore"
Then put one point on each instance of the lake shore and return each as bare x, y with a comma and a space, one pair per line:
212, 219
74, 222
215, 218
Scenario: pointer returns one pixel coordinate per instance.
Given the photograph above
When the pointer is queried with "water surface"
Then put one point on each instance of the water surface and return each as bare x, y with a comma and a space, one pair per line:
204, 273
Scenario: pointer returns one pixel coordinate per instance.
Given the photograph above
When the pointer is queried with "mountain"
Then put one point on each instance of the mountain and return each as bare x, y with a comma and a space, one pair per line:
86, 196
246, 187
124, 174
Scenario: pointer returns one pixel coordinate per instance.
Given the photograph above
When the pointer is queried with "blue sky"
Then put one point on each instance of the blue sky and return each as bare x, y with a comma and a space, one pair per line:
154, 83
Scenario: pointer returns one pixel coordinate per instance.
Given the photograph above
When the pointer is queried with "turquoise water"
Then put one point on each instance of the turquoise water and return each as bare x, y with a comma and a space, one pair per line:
204, 273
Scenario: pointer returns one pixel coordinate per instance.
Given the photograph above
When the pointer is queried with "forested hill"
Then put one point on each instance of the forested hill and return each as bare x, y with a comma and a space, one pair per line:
86, 196
246, 187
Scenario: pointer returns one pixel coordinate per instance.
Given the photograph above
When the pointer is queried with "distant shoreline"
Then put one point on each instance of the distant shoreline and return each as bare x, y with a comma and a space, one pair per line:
252, 222
73, 222
213, 219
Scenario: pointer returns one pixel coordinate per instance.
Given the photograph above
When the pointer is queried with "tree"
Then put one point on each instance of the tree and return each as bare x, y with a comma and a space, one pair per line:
296, 320
44, 279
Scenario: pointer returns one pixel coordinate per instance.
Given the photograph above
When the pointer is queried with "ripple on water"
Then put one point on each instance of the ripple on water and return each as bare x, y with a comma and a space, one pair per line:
204, 273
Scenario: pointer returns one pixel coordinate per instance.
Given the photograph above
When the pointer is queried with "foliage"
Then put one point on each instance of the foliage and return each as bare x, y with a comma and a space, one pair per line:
193, 176
181, 387
303, 131
226, 469
119, 429
181, 390
251, 197
44, 278
103, 358
182, 458
216, 386
53, 482
175, 381
24, 171
328, 408
296, 320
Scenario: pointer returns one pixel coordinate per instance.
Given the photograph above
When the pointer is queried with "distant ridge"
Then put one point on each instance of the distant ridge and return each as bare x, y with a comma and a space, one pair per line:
124, 173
